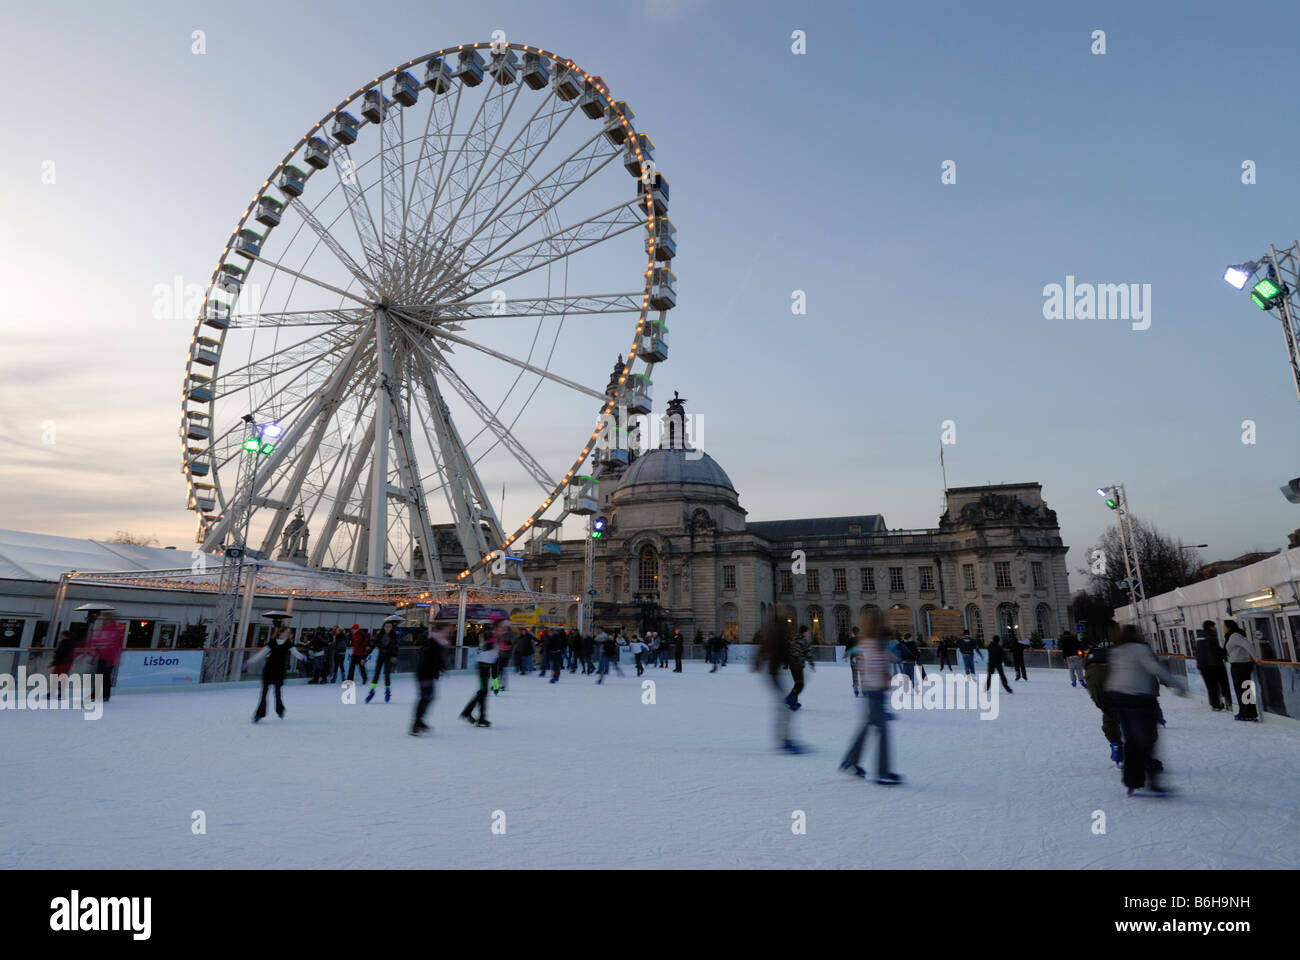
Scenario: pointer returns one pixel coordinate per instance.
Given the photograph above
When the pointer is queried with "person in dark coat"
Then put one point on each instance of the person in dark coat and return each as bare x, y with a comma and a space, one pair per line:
678, 642
995, 663
968, 648
1209, 660
774, 644
387, 643
1018, 657
427, 671
65, 652
1094, 679
276, 654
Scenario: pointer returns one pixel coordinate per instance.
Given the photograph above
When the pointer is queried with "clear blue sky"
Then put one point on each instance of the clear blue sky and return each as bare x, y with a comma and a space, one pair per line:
818, 173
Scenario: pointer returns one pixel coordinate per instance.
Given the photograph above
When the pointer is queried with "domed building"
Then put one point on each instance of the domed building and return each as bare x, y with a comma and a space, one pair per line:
679, 551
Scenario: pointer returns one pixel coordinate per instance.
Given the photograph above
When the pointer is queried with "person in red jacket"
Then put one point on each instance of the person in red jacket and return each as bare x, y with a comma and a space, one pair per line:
360, 650
105, 647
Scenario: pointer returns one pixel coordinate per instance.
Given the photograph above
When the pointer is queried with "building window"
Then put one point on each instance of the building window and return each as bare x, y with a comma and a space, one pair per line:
730, 622
814, 581
1009, 621
968, 575
841, 624
1040, 582
927, 578
728, 578
787, 582
868, 580
1044, 621
1003, 570
896, 580
841, 580
648, 571
974, 622
575, 581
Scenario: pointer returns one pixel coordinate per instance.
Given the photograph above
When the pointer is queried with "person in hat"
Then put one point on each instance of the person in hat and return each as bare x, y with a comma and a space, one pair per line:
276, 653
387, 643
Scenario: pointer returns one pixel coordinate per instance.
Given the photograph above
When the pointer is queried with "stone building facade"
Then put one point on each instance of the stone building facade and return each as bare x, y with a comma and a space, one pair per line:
679, 551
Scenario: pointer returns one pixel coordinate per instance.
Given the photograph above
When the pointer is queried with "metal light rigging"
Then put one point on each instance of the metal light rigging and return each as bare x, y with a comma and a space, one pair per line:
1117, 499
1276, 277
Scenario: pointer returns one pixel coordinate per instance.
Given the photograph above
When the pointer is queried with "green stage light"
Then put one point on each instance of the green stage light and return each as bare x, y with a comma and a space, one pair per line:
1266, 294
252, 445
268, 447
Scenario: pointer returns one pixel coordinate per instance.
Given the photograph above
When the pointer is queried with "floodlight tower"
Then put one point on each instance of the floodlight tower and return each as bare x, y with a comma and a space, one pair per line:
1277, 284
259, 440
1117, 499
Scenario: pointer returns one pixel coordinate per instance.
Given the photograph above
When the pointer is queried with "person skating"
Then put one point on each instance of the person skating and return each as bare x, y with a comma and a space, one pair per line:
340, 642
968, 648
873, 668
608, 654
995, 663
427, 671
678, 642
319, 648
65, 652
504, 648
1018, 656
104, 644
276, 653
637, 649
360, 650
945, 655
800, 653
1133, 676
489, 650
1241, 662
1094, 679
1210, 661
849, 648
386, 645
1073, 653
774, 642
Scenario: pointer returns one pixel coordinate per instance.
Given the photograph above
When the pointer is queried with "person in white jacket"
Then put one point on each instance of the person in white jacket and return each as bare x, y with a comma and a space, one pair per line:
1242, 655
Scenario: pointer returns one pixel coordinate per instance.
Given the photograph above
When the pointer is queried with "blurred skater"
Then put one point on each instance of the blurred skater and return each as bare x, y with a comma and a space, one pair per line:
873, 667
773, 655
427, 671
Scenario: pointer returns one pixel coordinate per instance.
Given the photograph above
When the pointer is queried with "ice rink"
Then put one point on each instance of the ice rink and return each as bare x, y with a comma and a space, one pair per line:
582, 775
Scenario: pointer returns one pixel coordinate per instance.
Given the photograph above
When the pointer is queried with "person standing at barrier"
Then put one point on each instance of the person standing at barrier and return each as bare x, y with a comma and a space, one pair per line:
1241, 661
1210, 662
276, 653
1018, 656
427, 670
386, 644
995, 663
104, 645
65, 652
873, 667
340, 644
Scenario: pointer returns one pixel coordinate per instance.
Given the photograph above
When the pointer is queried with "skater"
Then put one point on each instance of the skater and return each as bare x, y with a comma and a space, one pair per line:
65, 652
678, 642
427, 671
995, 663
360, 650
107, 637
489, 650
908, 655
1133, 676
504, 649
386, 645
276, 653
319, 648
556, 644
1073, 654
1018, 656
945, 655
968, 649
1094, 674
723, 643
340, 644
873, 668
774, 644
849, 648
637, 649
1241, 661
800, 653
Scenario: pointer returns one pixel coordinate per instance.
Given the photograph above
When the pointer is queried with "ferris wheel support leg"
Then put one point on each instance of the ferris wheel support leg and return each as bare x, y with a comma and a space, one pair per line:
240, 638
376, 552
460, 618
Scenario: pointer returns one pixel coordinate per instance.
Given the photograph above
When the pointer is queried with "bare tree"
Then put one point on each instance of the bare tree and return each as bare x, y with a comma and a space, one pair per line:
1166, 564
133, 539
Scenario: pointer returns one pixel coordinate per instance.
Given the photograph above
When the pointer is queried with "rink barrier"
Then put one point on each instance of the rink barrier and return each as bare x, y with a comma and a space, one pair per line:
1278, 682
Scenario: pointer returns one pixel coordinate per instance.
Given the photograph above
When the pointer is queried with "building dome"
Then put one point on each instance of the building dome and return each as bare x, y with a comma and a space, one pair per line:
675, 466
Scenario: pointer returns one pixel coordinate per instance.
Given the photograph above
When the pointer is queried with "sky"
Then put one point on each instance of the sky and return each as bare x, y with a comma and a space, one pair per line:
130, 156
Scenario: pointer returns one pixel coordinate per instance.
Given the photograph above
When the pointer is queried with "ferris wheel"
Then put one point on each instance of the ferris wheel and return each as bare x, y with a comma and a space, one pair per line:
420, 302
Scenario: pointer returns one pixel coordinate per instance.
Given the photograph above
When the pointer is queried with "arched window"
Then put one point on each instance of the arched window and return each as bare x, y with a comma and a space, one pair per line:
842, 625
1009, 621
974, 622
647, 578
730, 622
816, 623
1045, 622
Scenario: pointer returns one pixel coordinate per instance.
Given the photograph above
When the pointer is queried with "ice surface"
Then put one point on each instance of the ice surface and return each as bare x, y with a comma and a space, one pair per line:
589, 776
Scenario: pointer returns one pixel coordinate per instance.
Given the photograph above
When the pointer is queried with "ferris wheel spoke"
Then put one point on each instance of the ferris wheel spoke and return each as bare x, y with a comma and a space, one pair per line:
279, 363
392, 184
570, 306
427, 204
331, 241
553, 188
300, 318
338, 511
549, 249
499, 429
320, 283
349, 179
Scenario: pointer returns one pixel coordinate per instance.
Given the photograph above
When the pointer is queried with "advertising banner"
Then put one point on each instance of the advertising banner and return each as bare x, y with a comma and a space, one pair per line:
159, 668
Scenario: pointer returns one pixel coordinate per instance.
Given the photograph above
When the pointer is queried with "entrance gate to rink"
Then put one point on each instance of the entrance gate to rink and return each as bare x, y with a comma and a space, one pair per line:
282, 585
